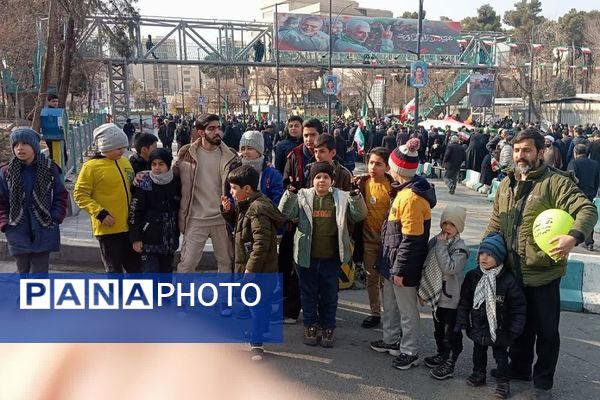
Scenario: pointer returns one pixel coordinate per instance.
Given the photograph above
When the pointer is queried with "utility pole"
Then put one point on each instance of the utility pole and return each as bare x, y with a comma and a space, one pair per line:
276, 28
329, 130
419, 31
530, 108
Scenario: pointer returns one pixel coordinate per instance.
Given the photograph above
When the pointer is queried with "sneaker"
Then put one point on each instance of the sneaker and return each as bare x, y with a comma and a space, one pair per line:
310, 335
381, 347
451, 191
476, 379
435, 361
290, 321
541, 394
256, 353
405, 361
327, 338
502, 390
513, 375
443, 371
371, 321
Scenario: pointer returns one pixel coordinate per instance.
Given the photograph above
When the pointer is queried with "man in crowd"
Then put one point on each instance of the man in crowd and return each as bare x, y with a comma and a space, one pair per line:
527, 191
203, 167
587, 172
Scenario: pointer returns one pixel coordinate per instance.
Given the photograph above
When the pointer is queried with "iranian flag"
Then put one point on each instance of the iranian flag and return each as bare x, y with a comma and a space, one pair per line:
359, 135
407, 111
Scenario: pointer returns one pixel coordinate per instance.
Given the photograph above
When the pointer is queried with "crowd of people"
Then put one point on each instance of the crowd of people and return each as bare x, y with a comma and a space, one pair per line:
288, 202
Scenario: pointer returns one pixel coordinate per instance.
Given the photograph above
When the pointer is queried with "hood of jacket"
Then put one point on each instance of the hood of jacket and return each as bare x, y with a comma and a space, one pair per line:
420, 186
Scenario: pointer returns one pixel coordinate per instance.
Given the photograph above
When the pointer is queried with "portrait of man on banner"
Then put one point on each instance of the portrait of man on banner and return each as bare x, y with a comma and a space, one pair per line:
244, 94
419, 77
330, 86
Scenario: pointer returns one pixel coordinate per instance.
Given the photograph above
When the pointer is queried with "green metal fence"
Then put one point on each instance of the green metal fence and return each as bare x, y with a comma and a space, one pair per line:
79, 140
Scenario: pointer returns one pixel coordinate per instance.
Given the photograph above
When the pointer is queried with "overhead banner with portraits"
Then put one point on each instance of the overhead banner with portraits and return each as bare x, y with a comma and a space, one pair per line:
481, 90
351, 34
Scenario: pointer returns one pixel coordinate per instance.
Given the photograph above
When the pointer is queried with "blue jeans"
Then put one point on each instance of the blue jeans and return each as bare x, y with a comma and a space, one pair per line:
319, 292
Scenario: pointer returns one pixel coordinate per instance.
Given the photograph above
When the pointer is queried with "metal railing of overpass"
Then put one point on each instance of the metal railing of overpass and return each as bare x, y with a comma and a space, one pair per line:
188, 41
119, 42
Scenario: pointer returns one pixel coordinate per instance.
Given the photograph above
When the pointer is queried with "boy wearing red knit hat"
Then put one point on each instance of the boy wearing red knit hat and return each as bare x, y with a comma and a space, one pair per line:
404, 239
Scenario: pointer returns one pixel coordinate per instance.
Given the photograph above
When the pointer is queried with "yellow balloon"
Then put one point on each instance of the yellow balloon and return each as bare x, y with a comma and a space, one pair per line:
550, 224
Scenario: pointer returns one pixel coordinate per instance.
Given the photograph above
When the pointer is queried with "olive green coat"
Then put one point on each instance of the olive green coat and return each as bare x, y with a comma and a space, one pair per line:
516, 206
256, 221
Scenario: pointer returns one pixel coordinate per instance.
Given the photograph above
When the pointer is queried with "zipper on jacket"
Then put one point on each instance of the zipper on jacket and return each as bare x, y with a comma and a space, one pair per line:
124, 184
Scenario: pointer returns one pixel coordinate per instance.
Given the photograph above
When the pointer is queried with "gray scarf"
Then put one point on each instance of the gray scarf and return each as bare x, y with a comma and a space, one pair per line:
162, 179
257, 163
485, 291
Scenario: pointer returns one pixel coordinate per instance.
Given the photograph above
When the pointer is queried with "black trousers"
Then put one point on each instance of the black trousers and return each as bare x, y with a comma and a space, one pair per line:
541, 332
451, 178
157, 263
291, 288
449, 343
117, 254
500, 354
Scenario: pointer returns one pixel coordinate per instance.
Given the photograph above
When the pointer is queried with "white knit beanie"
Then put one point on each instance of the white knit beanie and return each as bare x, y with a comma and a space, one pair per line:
456, 215
253, 139
110, 137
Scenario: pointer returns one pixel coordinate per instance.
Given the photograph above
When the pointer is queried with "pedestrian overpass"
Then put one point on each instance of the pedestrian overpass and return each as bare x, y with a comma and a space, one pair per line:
119, 42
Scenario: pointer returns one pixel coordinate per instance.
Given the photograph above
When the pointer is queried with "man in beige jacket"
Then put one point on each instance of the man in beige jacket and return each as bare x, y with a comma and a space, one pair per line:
203, 167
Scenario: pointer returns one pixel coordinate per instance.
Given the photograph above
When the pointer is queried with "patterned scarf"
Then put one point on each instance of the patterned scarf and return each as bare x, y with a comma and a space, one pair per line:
485, 291
41, 198
430, 287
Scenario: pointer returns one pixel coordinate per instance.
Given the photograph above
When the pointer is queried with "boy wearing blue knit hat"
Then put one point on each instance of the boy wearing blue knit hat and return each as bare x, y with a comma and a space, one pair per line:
492, 310
33, 202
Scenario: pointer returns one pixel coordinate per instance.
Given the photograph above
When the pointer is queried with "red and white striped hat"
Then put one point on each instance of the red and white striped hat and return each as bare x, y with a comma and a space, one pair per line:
405, 159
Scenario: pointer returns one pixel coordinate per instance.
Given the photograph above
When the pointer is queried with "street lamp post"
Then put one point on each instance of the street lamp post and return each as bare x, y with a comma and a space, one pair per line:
330, 71
276, 28
419, 30
331, 22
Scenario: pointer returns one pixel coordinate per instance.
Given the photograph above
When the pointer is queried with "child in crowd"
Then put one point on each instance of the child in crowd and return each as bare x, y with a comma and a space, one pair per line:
153, 229
375, 188
321, 244
404, 238
492, 310
325, 152
255, 251
103, 190
33, 202
443, 275
252, 153
144, 145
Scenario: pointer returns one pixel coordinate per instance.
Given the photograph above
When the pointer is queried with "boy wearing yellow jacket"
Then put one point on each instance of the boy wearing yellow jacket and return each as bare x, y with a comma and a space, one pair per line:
103, 190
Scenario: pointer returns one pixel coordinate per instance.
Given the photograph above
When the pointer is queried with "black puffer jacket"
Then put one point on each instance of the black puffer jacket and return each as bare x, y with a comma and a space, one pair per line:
510, 309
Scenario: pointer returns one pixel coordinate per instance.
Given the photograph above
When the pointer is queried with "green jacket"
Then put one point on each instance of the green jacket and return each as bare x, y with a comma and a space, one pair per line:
256, 221
516, 206
299, 206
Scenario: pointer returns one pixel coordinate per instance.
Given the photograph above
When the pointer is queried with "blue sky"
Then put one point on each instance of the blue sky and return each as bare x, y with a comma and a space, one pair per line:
249, 9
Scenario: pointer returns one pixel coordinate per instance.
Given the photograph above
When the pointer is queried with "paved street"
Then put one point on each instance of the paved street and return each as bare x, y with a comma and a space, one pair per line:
352, 370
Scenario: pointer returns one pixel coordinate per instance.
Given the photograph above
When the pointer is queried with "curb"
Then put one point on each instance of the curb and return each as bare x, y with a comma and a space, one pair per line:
83, 255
